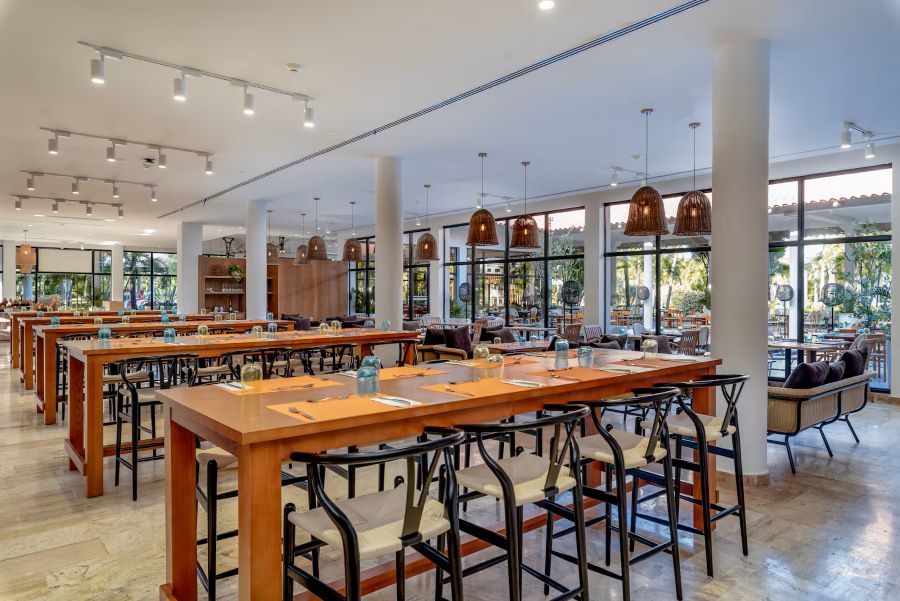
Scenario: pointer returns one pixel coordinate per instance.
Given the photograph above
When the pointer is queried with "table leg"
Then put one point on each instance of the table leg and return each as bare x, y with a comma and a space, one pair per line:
787, 362
76, 409
181, 511
259, 522
28, 358
704, 401
14, 341
21, 346
47, 383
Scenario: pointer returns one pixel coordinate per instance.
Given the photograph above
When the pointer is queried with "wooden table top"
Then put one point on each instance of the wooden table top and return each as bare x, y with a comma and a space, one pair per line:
249, 418
137, 347
803, 346
118, 326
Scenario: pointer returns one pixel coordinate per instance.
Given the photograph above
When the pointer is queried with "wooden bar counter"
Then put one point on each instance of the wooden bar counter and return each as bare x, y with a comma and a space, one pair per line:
84, 444
259, 430
46, 337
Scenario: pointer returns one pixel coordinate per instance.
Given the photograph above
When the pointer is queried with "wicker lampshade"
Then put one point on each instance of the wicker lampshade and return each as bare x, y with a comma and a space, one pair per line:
271, 253
25, 258
426, 248
646, 214
315, 250
525, 233
300, 258
482, 229
693, 217
352, 250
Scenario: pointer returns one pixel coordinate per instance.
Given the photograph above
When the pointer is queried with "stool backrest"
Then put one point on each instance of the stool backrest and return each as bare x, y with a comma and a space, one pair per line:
731, 386
659, 398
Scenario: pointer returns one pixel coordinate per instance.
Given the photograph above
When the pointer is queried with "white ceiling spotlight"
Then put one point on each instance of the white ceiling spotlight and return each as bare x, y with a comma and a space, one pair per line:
161, 161
55, 134
29, 181
55, 207
546, 4
120, 212
18, 203
179, 83
868, 137
153, 197
88, 209
209, 165
309, 119
614, 177
83, 178
248, 103
76, 190
115, 190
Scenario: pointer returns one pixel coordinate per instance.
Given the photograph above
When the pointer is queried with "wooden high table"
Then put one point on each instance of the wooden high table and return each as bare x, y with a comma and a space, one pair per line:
22, 350
47, 336
84, 444
262, 437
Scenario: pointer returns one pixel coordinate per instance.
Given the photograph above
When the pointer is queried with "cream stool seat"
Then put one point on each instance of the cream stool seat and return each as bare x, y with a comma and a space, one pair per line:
527, 472
135, 376
377, 519
634, 449
682, 425
222, 457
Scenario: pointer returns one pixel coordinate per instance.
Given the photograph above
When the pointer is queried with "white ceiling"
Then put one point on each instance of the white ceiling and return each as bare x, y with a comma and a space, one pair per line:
368, 63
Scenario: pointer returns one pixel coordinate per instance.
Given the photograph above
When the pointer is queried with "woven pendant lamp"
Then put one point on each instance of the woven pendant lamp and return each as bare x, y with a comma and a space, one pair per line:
646, 212
694, 217
426, 245
301, 257
25, 259
482, 227
525, 228
315, 248
352, 247
271, 249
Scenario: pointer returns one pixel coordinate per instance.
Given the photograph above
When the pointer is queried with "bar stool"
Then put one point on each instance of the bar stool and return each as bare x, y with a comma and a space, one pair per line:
527, 478
695, 431
158, 373
216, 459
379, 523
623, 454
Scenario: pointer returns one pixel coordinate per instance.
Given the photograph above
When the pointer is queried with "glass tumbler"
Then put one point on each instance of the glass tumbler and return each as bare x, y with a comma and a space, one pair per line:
585, 356
367, 381
169, 335
562, 354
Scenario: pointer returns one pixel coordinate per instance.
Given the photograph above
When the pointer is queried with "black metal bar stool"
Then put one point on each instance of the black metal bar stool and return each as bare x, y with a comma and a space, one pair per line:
695, 431
523, 478
379, 523
624, 453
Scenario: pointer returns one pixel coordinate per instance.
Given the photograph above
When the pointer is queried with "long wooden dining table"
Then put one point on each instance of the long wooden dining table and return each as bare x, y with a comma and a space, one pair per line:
47, 336
259, 429
84, 443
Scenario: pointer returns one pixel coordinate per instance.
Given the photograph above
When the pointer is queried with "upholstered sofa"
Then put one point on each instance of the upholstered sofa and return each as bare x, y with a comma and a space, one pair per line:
793, 410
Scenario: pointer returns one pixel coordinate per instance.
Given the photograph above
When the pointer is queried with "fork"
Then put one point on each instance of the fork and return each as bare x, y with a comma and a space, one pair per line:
302, 414
455, 391
328, 398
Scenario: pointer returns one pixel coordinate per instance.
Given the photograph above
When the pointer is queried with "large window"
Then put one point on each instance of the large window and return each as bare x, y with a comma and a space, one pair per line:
415, 285
529, 286
149, 280
74, 276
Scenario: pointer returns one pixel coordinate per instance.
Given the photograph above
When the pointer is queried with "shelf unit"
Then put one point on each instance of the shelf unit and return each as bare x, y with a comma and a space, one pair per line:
217, 290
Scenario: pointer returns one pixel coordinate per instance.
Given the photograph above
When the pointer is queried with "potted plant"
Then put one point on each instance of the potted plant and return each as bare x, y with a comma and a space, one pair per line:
236, 272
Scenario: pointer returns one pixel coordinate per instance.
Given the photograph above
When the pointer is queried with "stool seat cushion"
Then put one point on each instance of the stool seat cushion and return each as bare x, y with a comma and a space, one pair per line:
222, 457
634, 449
527, 472
377, 519
213, 370
682, 425
141, 376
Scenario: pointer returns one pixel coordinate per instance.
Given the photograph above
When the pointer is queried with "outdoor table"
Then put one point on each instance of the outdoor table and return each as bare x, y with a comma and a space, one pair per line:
805, 351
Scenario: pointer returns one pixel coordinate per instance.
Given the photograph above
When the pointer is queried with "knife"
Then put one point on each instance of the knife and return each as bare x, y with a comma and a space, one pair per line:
525, 383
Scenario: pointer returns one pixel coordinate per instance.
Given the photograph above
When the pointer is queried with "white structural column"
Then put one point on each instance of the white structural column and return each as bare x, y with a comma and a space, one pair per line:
739, 261
893, 365
189, 247
117, 271
436, 276
256, 259
389, 242
9, 269
594, 294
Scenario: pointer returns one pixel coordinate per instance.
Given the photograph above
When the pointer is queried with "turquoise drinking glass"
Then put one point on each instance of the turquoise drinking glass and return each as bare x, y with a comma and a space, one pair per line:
104, 334
585, 356
562, 354
371, 361
367, 381
169, 335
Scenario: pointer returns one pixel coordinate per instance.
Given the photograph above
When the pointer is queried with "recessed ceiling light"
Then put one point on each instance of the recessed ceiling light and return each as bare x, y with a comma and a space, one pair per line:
546, 4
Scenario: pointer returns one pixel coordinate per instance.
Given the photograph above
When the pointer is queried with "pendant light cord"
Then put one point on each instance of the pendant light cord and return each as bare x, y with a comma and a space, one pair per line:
525, 200
427, 190
694, 128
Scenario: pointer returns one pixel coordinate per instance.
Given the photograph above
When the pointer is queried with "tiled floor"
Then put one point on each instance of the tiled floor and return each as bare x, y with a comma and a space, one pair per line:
830, 532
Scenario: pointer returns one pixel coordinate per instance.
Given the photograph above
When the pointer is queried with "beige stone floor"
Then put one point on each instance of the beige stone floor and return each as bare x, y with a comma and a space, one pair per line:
830, 532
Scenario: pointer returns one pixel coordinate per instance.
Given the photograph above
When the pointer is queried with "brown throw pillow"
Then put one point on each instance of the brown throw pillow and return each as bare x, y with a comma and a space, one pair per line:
855, 362
434, 336
662, 342
622, 340
835, 371
612, 345
807, 375
459, 338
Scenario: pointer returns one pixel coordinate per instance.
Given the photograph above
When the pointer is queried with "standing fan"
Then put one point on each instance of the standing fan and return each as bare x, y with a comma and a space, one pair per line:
785, 293
832, 294
641, 293
570, 294
464, 293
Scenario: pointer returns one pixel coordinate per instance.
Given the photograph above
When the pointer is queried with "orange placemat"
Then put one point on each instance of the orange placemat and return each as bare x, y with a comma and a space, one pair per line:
486, 387
331, 409
281, 385
572, 374
407, 371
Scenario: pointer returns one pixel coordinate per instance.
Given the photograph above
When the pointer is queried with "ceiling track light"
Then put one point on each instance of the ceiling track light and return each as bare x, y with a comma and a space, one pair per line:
161, 160
153, 197
84, 178
29, 182
54, 207
76, 190
55, 134
55, 202
18, 203
179, 84
115, 189
614, 177
209, 166
120, 212
88, 209
870, 147
868, 137
309, 119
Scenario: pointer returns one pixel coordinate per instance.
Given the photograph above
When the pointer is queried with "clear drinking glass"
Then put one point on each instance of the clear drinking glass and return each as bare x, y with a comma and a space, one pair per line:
204, 311
497, 340
336, 324
367, 381
562, 354
585, 356
650, 348
232, 316
120, 312
164, 317
494, 367
39, 314
126, 319
270, 316
104, 334
371, 361
203, 330
385, 325
98, 321
256, 331
218, 317
182, 317
54, 321
169, 335
272, 327
76, 313
481, 352
250, 372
